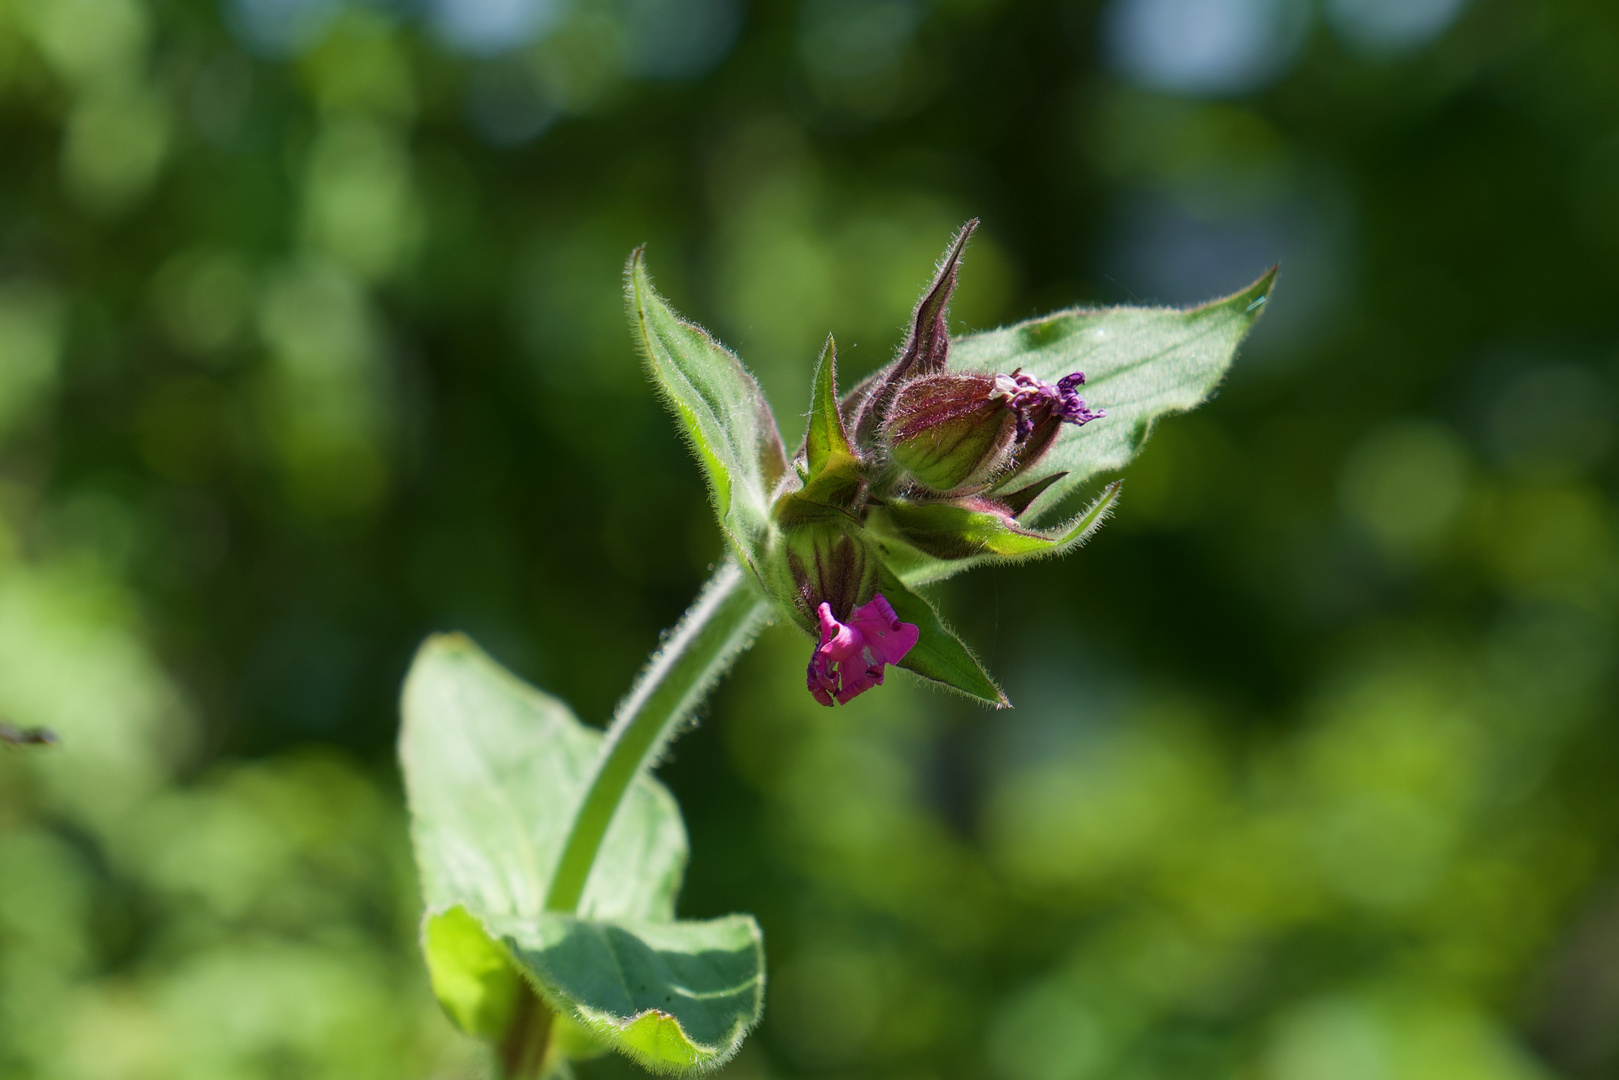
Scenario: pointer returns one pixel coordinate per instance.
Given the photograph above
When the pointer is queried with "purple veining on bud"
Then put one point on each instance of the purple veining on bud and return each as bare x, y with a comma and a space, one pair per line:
949, 431
960, 432
828, 565
1027, 396
851, 656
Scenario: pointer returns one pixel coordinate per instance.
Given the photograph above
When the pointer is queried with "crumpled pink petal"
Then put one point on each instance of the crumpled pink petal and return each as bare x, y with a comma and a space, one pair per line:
850, 658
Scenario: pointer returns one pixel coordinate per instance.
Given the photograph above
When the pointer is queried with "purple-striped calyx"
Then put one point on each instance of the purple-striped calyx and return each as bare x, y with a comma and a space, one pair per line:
960, 432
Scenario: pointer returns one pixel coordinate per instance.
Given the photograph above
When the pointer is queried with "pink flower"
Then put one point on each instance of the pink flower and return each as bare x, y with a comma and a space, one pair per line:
850, 658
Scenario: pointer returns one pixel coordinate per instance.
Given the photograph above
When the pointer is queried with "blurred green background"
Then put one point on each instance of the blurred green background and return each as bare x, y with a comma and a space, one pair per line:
311, 343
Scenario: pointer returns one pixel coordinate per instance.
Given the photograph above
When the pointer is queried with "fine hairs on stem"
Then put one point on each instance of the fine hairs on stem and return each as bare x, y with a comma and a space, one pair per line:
718, 626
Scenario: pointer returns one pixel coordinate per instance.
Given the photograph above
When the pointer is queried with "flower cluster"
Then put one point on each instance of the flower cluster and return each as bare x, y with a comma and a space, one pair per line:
937, 463
916, 462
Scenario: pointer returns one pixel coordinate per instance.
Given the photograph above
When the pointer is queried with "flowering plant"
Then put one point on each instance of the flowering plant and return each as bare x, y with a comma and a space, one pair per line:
550, 858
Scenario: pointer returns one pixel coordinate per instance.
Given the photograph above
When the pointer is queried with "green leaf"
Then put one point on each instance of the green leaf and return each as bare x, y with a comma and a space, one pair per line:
472, 975
1139, 364
721, 410
938, 655
494, 772
959, 531
675, 997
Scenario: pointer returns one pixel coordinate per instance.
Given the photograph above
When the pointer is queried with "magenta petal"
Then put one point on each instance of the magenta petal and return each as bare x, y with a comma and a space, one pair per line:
823, 684
850, 658
830, 627
859, 684
877, 608
821, 687
837, 640
886, 638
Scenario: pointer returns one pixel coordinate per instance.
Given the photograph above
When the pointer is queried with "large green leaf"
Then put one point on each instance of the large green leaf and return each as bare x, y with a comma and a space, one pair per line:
721, 410
1139, 364
472, 975
673, 996
494, 772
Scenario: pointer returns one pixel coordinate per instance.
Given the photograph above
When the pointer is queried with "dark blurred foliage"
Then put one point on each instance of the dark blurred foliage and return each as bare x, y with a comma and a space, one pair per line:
311, 343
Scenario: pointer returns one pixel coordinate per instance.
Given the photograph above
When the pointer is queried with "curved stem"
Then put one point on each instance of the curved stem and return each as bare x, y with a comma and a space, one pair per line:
715, 629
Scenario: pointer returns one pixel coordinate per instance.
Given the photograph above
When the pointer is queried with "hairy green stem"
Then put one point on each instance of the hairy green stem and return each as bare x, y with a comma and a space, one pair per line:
719, 625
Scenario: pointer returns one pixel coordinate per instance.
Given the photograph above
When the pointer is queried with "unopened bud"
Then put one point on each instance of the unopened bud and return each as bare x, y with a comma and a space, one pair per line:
959, 432
951, 432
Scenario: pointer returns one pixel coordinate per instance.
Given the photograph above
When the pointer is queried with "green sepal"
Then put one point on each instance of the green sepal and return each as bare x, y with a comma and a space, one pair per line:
938, 655
721, 410
978, 530
822, 502
832, 474
837, 561
1019, 501
826, 441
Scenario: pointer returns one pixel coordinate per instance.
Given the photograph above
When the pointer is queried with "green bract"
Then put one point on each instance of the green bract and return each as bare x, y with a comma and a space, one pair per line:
721, 409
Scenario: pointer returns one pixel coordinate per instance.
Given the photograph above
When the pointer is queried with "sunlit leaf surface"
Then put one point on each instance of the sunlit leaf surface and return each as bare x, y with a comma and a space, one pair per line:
673, 996
1140, 364
494, 770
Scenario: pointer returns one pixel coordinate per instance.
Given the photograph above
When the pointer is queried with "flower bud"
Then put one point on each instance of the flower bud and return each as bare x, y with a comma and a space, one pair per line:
950, 432
957, 433
926, 351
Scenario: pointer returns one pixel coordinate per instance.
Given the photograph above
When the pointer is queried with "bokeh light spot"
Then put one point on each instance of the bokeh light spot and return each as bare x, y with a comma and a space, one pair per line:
1205, 47
484, 27
678, 39
280, 27
1406, 483
31, 333
1392, 26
